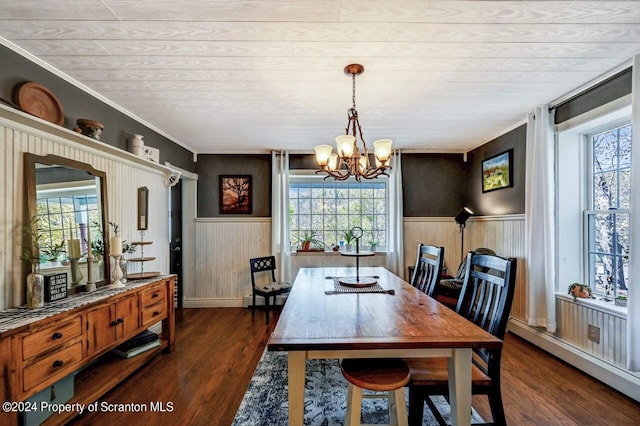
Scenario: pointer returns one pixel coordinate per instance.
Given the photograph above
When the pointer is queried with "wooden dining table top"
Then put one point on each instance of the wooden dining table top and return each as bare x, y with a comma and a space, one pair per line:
408, 319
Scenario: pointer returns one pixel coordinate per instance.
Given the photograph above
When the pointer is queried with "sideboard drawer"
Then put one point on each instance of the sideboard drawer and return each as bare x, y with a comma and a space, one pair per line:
50, 337
153, 296
154, 313
58, 363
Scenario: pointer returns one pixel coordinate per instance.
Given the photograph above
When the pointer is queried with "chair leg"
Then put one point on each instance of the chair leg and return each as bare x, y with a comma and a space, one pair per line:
416, 406
266, 308
398, 407
354, 405
497, 409
253, 307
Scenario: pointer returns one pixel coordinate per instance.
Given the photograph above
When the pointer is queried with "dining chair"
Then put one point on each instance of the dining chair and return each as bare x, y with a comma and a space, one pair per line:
427, 269
486, 298
380, 375
261, 266
448, 288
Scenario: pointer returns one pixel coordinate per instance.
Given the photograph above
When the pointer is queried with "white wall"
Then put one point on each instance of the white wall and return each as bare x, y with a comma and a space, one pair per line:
20, 133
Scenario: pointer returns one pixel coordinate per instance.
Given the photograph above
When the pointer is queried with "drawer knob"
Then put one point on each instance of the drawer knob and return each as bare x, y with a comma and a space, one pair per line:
154, 295
156, 313
57, 363
56, 335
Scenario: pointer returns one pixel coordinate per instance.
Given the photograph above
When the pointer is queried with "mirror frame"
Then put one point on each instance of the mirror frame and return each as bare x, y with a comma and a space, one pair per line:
30, 161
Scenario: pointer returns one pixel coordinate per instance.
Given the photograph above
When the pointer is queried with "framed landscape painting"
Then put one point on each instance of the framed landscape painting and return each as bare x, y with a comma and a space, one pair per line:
497, 171
235, 194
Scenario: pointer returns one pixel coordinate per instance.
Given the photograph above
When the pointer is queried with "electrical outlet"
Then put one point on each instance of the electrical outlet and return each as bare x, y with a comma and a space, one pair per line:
594, 333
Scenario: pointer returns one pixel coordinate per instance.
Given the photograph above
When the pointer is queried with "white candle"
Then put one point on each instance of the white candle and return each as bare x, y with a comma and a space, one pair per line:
89, 256
74, 248
116, 246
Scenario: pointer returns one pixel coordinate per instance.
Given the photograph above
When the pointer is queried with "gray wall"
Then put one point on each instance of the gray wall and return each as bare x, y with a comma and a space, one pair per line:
209, 168
506, 200
16, 69
433, 184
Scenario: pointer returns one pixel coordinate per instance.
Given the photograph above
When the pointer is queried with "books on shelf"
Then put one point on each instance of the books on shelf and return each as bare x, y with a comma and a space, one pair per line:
138, 344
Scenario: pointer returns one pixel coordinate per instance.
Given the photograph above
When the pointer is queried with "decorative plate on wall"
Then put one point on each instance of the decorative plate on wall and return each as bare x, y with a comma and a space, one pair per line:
37, 100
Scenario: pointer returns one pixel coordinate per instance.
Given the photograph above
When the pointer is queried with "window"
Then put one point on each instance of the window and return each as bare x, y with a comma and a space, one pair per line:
607, 217
331, 208
60, 212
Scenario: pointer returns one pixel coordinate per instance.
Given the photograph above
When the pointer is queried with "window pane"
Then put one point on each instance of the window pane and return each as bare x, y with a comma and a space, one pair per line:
605, 191
331, 208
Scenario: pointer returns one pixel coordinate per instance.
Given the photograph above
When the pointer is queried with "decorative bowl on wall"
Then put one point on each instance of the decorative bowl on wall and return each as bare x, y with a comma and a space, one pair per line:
37, 100
90, 128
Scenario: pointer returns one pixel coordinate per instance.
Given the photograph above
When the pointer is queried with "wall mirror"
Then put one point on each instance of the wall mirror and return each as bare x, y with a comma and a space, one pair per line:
70, 199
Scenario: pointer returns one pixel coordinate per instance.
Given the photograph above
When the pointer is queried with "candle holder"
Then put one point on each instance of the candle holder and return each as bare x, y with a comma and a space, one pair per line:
116, 273
76, 275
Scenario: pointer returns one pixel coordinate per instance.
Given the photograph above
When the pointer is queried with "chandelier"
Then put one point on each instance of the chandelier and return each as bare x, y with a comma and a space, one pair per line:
349, 159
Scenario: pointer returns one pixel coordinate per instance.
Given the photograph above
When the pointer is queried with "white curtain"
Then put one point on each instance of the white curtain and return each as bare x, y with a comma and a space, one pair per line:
280, 244
395, 244
540, 219
633, 302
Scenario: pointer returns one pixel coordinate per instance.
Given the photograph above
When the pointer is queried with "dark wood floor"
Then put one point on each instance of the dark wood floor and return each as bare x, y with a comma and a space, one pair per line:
218, 349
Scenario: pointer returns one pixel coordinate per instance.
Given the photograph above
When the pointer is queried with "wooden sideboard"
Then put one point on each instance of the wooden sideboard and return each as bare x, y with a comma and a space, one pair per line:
41, 346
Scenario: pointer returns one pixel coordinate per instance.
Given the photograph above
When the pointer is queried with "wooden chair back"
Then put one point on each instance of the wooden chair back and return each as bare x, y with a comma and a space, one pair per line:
428, 268
486, 298
262, 264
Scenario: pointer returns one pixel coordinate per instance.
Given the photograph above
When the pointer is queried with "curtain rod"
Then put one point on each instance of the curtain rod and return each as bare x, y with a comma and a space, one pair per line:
590, 84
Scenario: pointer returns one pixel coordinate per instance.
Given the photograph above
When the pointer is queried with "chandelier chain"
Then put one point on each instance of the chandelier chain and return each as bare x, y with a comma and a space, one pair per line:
353, 96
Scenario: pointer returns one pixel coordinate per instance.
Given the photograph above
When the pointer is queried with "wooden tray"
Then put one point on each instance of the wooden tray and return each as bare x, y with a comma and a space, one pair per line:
37, 100
142, 275
140, 259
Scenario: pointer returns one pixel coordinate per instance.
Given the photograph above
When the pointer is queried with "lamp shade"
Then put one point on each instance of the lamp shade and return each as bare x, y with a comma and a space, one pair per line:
333, 162
382, 149
463, 216
323, 153
346, 145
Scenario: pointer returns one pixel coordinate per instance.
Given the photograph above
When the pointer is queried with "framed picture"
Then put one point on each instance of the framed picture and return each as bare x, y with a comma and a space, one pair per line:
235, 194
143, 208
497, 171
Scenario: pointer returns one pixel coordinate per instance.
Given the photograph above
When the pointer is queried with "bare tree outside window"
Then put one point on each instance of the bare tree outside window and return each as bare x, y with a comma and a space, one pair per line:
608, 217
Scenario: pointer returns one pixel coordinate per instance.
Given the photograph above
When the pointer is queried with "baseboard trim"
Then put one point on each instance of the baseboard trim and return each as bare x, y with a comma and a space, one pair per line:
212, 303
244, 302
613, 376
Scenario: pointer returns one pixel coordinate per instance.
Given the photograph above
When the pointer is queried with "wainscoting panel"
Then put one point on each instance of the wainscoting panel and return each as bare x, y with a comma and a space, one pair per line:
223, 249
437, 231
573, 327
504, 235
310, 260
123, 179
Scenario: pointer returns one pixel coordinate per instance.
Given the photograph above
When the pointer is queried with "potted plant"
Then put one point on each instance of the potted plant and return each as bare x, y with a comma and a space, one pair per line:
580, 290
31, 256
621, 301
373, 245
308, 239
348, 238
52, 252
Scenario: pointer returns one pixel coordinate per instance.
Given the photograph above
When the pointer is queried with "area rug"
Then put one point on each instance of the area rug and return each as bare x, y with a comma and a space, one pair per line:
265, 402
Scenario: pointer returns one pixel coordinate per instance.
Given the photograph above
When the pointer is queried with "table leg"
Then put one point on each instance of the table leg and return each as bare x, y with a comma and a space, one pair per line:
460, 386
296, 387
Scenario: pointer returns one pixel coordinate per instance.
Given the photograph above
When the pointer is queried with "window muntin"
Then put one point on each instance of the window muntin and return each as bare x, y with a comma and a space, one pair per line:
331, 208
608, 216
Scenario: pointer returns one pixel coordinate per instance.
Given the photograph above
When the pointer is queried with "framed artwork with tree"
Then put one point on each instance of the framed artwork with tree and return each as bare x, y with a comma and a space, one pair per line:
235, 194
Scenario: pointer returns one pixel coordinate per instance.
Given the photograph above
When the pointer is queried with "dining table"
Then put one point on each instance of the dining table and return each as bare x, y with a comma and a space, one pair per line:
323, 319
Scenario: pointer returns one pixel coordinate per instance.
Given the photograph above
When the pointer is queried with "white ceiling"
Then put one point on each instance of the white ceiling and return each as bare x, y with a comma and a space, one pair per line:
252, 75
